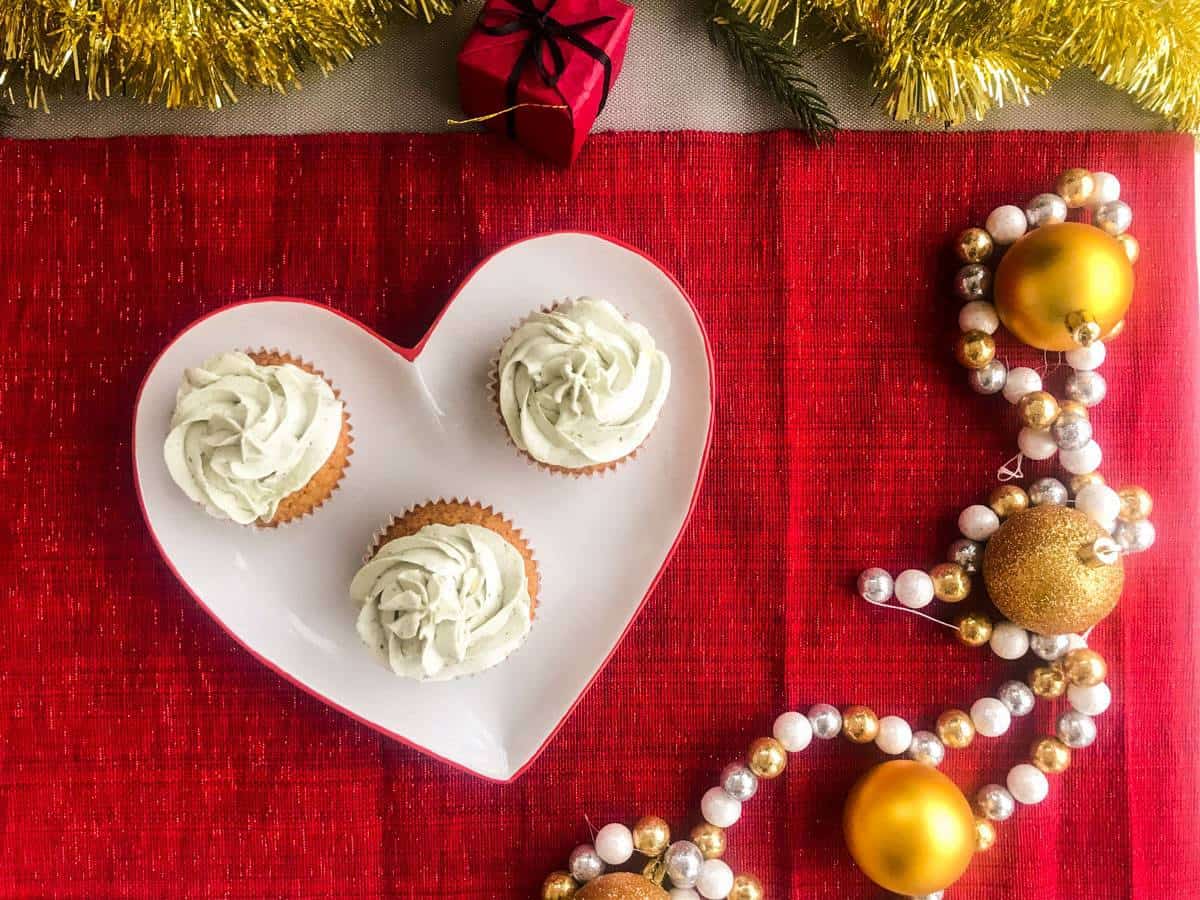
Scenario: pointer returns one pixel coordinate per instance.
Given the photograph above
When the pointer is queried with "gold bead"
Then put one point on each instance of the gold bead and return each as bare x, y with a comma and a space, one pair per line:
1084, 667
985, 834
975, 349
767, 758
955, 728
951, 583
974, 245
559, 886
746, 887
1079, 482
1050, 755
1136, 503
1132, 249
651, 836
1048, 681
710, 839
1038, 409
1008, 499
974, 629
860, 724
1075, 186
1073, 408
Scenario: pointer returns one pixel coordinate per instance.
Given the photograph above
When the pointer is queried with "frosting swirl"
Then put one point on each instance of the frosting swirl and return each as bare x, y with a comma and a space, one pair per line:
244, 436
446, 601
581, 385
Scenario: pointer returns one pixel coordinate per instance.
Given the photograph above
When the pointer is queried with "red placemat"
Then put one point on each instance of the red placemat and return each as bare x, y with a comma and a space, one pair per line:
144, 754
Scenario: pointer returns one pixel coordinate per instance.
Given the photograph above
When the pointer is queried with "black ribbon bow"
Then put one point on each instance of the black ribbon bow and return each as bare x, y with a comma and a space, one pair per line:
545, 36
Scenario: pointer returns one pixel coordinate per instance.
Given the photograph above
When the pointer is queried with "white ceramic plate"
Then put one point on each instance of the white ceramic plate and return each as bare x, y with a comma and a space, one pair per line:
424, 428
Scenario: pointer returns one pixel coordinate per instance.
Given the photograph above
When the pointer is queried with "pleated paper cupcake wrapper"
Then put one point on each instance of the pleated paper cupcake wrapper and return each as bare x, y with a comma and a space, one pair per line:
493, 383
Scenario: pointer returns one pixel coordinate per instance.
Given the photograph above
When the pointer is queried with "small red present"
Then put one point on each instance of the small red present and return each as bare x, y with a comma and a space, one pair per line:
542, 69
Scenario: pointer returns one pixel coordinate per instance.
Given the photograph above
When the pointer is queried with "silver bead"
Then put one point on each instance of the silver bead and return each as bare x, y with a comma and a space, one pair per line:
967, 553
739, 782
973, 282
988, 380
1071, 432
1088, 388
1048, 492
1134, 537
826, 721
995, 802
585, 863
682, 861
1049, 646
875, 585
1017, 697
1114, 217
1076, 730
926, 747
1045, 209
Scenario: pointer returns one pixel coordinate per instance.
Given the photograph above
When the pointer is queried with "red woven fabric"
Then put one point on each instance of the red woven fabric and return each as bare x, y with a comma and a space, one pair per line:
144, 754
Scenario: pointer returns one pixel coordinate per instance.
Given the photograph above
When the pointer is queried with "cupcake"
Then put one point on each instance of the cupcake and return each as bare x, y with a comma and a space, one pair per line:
259, 438
579, 386
447, 589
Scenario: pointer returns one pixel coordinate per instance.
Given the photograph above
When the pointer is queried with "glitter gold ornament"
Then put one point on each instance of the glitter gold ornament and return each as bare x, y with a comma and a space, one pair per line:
767, 759
909, 828
1076, 187
985, 834
1084, 667
1038, 409
651, 836
621, 886
1048, 682
1008, 499
1050, 755
974, 629
975, 349
860, 724
1136, 503
974, 245
746, 887
1035, 574
951, 583
710, 839
956, 729
1062, 285
559, 886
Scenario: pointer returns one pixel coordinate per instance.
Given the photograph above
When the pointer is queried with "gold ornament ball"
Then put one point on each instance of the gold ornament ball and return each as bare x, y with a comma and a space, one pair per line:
710, 839
559, 886
956, 729
1130, 245
860, 724
621, 886
1059, 281
985, 835
1008, 499
746, 887
1076, 187
1050, 755
1038, 409
1037, 578
975, 349
1048, 682
1136, 503
974, 629
1079, 482
974, 245
767, 758
1084, 667
909, 828
951, 583
651, 836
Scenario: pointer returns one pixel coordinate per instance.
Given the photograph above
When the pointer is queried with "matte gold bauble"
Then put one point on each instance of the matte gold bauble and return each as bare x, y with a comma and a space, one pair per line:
1063, 285
1035, 574
909, 828
559, 886
621, 886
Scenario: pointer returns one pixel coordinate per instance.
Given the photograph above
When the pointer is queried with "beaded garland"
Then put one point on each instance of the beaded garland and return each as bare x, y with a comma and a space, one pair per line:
1115, 523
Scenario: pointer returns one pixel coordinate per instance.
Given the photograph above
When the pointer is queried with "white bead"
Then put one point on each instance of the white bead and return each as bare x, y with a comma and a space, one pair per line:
719, 809
1075, 642
683, 894
979, 315
1009, 641
1091, 701
1027, 784
1021, 381
794, 731
914, 588
991, 717
1085, 359
1107, 189
716, 879
895, 735
978, 522
1100, 502
1036, 443
614, 843
1006, 223
1083, 461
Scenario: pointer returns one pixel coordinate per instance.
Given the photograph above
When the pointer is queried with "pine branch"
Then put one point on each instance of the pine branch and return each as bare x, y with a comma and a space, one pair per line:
773, 67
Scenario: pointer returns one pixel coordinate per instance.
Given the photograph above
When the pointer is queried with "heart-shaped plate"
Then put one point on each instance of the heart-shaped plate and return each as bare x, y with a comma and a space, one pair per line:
425, 427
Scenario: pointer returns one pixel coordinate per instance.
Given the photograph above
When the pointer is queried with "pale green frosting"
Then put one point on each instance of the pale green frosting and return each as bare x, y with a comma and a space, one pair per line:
244, 436
581, 385
446, 601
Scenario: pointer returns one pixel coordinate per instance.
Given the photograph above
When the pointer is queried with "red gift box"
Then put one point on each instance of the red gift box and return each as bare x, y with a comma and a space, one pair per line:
555, 60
